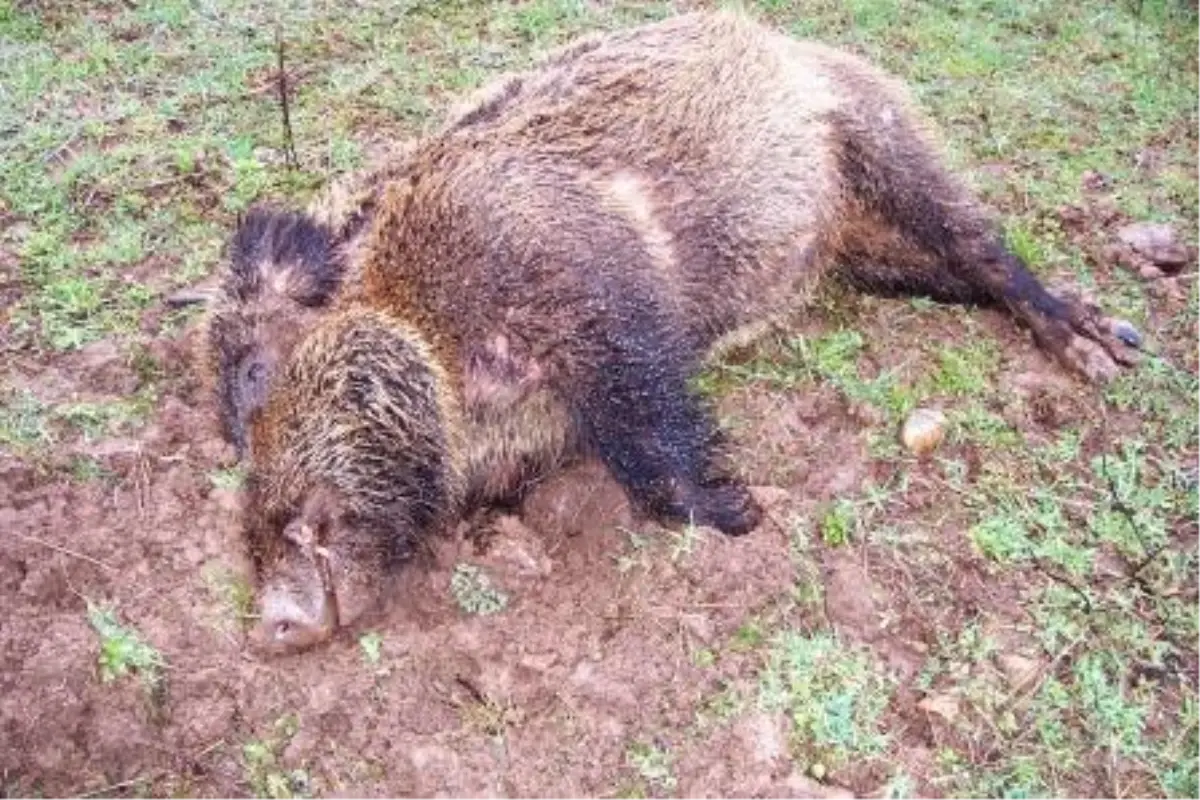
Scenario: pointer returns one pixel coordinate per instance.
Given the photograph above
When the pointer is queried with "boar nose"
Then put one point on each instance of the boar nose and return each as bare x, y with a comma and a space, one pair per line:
286, 625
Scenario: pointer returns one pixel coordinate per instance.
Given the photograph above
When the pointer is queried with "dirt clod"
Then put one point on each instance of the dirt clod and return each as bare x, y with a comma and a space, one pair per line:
1157, 242
943, 705
1019, 670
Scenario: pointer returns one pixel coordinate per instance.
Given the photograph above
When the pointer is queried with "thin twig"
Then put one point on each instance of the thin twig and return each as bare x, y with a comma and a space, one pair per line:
1026, 691
66, 551
1119, 504
208, 749
1041, 567
289, 142
106, 790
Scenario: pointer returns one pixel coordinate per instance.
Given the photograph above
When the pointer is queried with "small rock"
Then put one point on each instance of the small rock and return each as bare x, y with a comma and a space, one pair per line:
699, 626
1104, 209
1072, 218
539, 662
995, 169
1150, 272
867, 414
228, 500
1093, 181
217, 452
1157, 242
517, 549
770, 497
1148, 160
800, 785
1168, 289
923, 431
763, 737
944, 705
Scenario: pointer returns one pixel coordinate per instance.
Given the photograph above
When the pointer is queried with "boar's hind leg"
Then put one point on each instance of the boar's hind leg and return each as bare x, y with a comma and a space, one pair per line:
637, 413
912, 230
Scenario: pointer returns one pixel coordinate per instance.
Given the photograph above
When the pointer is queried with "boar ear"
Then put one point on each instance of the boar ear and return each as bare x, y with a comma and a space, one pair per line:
321, 509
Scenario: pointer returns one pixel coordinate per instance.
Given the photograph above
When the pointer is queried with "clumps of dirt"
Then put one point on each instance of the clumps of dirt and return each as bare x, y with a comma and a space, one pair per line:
593, 651
1098, 226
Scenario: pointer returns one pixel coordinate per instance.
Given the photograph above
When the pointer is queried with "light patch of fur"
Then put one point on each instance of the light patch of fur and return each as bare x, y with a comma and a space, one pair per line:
627, 193
277, 278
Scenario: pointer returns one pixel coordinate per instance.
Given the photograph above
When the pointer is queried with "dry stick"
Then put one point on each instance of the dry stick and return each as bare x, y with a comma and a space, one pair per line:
105, 790
1021, 694
289, 143
1119, 504
66, 551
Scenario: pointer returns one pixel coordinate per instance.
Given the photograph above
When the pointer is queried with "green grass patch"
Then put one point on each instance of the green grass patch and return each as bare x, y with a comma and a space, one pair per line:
123, 651
233, 590
261, 768
653, 764
833, 693
474, 592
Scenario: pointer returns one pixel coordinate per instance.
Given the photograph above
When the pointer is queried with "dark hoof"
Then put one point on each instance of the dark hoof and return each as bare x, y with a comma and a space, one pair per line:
729, 508
1126, 333
1085, 340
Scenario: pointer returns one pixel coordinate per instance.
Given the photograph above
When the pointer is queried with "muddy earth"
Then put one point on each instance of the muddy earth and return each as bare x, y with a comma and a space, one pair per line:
614, 635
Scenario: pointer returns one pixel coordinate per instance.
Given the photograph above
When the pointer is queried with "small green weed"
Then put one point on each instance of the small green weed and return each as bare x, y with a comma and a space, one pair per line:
839, 522
24, 422
232, 589
228, 478
260, 763
371, 646
720, 707
98, 420
832, 692
684, 543
652, 763
966, 370
474, 592
86, 469
636, 555
122, 649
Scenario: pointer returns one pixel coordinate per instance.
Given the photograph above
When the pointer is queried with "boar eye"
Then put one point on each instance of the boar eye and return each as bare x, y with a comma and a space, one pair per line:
254, 375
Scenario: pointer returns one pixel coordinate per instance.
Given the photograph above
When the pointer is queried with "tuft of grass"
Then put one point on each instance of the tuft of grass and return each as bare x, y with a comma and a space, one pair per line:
489, 717
832, 692
27, 423
966, 370
652, 763
261, 768
228, 478
24, 422
371, 646
86, 469
98, 420
122, 650
474, 592
838, 523
232, 589
832, 358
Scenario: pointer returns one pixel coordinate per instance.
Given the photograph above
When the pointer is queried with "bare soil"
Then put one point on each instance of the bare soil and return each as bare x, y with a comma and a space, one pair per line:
599, 646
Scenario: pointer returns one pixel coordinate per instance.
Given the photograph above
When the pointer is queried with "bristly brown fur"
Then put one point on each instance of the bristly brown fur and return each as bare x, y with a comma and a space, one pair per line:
560, 257
284, 267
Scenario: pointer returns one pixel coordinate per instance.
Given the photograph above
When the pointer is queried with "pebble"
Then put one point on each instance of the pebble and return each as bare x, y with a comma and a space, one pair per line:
923, 431
1157, 242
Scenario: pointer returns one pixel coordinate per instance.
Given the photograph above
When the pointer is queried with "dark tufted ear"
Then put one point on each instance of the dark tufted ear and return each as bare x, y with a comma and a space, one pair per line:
271, 239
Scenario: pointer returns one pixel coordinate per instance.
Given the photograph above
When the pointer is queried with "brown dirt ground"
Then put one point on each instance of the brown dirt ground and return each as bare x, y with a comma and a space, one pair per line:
595, 650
